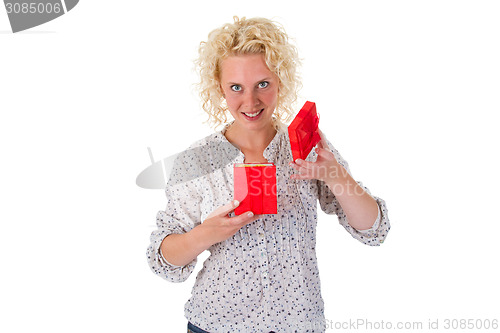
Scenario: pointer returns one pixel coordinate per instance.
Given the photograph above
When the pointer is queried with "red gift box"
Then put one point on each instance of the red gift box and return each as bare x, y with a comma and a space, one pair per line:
255, 188
303, 131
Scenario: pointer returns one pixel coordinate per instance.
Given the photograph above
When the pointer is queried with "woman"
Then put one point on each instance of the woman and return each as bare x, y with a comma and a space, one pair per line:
262, 274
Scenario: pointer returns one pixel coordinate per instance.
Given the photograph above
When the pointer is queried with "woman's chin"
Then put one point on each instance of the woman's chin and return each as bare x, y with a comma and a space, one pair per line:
255, 125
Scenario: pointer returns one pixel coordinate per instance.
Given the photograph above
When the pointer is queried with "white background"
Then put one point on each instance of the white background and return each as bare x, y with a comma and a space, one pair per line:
408, 92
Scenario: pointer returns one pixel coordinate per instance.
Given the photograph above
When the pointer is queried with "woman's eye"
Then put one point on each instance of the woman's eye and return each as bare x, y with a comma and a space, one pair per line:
236, 87
263, 84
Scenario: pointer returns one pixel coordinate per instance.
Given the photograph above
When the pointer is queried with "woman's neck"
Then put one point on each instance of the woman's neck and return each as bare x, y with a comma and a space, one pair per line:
251, 143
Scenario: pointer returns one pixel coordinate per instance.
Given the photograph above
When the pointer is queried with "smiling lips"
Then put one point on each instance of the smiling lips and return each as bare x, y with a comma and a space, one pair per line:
253, 115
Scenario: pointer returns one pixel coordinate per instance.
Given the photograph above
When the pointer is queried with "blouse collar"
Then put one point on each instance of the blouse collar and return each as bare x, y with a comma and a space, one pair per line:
270, 153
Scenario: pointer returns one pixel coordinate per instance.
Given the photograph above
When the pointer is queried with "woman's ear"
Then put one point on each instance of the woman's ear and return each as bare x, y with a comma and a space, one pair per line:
222, 91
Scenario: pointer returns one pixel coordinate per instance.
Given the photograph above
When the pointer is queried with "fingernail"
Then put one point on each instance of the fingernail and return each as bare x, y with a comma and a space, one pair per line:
250, 214
298, 161
236, 203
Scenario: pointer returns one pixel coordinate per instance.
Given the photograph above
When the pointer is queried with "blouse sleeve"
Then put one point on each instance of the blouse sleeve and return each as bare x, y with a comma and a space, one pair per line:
180, 216
329, 204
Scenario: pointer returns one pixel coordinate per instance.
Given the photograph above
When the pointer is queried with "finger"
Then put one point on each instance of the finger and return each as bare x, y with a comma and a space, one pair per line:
322, 135
323, 142
320, 144
305, 164
309, 172
297, 167
294, 165
325, 153
245, 218
224, 210
302, 176
302, 170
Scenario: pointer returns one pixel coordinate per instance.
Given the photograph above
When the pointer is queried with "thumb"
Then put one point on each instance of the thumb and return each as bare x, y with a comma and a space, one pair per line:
224, 210
323, 143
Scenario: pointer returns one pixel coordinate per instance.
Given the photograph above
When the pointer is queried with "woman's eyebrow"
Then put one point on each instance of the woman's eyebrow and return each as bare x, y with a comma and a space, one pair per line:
258, 81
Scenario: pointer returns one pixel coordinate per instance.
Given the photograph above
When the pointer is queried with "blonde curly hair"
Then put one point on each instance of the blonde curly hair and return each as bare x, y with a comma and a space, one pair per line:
248, 36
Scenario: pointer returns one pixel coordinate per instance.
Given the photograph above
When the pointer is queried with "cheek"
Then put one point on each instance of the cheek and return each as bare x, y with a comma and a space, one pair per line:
231, 102
271, 97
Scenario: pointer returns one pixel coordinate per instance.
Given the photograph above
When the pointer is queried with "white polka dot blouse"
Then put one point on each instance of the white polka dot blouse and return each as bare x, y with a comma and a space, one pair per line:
265, 277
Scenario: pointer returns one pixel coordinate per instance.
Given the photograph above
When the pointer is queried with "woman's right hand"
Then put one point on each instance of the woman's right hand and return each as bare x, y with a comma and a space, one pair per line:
218, 226
181, 249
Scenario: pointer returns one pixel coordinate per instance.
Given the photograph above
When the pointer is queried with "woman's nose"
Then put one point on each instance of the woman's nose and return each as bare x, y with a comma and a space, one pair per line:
250, 98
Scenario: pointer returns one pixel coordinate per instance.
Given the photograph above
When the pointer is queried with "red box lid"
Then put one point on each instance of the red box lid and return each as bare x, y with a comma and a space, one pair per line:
303, 131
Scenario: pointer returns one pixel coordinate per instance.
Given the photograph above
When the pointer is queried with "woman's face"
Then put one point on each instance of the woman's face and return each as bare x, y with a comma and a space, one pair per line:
250, 89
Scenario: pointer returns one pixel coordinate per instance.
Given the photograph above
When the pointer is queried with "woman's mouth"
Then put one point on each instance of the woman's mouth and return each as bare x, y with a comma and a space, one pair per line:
253, 115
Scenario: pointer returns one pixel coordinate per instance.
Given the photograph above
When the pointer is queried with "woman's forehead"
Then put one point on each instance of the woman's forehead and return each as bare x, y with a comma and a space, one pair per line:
248, 67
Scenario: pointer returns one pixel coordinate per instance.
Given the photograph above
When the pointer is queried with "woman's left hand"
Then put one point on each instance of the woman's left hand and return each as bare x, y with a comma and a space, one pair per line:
360, 208
325, 168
